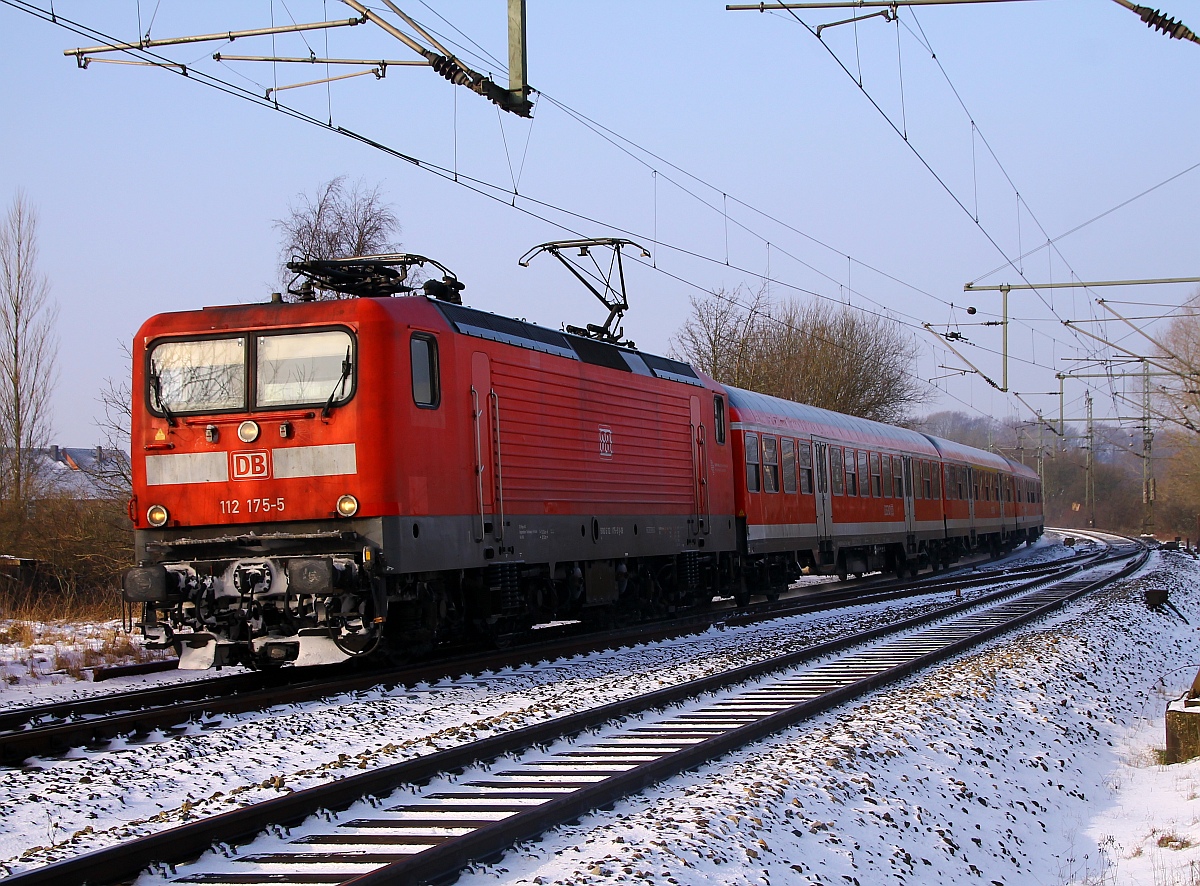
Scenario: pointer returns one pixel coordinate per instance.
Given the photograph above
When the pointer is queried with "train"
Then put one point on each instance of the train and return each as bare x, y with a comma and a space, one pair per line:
317, 481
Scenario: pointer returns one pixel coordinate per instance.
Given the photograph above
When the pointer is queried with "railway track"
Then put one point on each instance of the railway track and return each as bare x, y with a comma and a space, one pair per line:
467, 811
47, 730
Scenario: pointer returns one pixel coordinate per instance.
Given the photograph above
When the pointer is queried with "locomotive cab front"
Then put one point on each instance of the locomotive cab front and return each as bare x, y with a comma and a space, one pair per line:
247, 494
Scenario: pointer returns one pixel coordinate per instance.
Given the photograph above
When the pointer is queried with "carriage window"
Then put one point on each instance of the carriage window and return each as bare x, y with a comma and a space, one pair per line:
851, 473
806, 469
876, 479
306, 367
208, 375
752, 459
770, 464
424, 370
887, 476
898, 476
719, 419
839, 469
937, 480
927, 478
789, 464
864, 475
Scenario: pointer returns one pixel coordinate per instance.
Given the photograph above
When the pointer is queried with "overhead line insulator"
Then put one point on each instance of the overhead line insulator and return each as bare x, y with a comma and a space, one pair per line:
1164, 23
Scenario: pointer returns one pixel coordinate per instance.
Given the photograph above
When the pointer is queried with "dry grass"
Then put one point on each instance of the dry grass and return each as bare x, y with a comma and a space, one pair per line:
63, 635
25, 605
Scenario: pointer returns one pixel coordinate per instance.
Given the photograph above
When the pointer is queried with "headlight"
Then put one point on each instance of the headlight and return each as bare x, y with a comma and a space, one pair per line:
248, 431
347, 506
156, 515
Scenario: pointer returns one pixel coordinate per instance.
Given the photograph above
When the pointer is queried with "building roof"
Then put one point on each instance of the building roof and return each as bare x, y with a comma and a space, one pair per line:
80, 473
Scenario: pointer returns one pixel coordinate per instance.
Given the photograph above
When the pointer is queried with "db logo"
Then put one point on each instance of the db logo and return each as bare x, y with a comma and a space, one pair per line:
250, 465
606, 442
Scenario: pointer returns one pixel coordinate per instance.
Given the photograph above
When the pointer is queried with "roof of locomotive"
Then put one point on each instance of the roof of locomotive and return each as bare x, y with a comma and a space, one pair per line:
825, 422
522, 334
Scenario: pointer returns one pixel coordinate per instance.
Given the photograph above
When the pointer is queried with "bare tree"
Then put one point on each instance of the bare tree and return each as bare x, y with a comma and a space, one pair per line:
113, 475
28, 353
338, 221
824, 355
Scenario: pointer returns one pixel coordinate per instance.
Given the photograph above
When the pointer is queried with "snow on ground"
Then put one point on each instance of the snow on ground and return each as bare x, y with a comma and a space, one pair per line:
205, 768
54, 808
47, 661
1030, 762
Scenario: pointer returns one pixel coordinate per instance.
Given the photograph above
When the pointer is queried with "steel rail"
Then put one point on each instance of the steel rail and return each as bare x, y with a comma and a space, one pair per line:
176, 845
86, 721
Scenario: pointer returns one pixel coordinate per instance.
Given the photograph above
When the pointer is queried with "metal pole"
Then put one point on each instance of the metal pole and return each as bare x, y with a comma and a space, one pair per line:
1089, 481
1061, 406
1074, 284
518, 58
204, 38
1147, 462
1004, 310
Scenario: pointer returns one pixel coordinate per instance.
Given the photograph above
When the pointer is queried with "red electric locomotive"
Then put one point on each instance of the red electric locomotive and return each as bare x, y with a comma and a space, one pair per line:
318, 480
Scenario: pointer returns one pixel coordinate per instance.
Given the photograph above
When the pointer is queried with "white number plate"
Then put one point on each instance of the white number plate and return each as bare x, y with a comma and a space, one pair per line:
251, 505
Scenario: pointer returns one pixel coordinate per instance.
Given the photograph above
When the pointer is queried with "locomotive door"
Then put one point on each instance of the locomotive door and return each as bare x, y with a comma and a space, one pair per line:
909, 503
485, 428
821, 460
700, 518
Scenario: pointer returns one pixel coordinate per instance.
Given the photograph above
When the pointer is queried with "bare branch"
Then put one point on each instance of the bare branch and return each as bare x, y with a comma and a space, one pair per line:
28, 353
338, 221
814, 353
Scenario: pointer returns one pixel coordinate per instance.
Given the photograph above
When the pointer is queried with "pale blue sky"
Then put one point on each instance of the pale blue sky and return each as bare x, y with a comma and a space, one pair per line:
157, 193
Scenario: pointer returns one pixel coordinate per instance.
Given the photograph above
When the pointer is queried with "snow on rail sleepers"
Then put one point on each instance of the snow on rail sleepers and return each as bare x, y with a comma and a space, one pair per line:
449, 824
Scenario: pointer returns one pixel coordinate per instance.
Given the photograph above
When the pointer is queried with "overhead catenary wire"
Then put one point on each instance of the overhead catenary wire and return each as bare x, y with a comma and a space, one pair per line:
478, 185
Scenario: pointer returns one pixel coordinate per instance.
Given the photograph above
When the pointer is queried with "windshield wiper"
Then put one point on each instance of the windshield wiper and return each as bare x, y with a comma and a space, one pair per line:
156, 387
341, 383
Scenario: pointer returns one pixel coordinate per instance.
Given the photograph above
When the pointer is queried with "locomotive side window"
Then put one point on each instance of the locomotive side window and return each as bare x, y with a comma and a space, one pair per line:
770, 464
752, 463
425, 388
302, 368
851, 473
719, 418
806, 469
208, 375
839, 469
789, 464
864, 475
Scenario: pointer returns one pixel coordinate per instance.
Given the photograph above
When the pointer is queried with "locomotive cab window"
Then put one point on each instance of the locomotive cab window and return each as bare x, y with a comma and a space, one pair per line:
303, 368
204, 375
425, 382
719, 418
